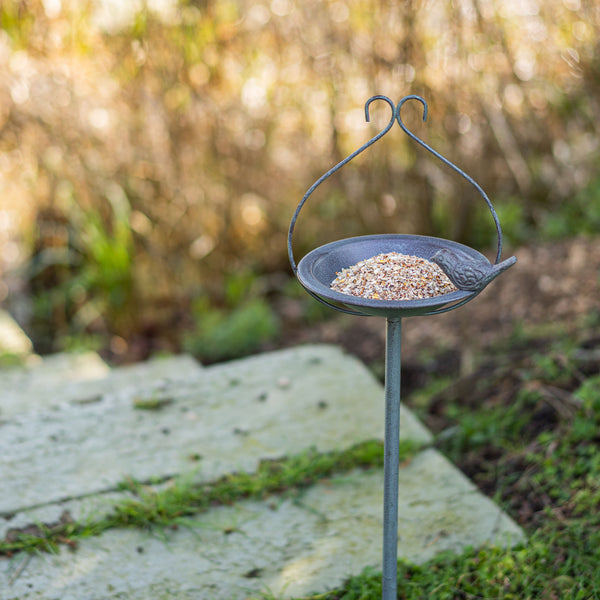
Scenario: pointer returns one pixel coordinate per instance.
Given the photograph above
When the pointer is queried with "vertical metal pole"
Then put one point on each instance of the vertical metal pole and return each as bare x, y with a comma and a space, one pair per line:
391, 462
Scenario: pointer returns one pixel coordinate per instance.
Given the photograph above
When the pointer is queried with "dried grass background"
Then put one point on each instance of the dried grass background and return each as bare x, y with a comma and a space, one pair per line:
184, 138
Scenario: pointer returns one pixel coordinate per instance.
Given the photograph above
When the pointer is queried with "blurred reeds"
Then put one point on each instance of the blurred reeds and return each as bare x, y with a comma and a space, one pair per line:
144, 163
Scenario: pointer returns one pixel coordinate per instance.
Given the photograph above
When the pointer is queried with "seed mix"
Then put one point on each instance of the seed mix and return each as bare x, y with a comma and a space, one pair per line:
393, 276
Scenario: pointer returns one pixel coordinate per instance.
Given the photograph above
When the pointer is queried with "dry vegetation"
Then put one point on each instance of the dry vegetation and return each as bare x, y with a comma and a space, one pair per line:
143, 162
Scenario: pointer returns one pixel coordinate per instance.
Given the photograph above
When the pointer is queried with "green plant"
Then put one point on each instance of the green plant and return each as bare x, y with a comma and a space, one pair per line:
11, 359
106, 252
548, 481
588, 394
17, 22
92, 280
241, 325
224, 334
577, 215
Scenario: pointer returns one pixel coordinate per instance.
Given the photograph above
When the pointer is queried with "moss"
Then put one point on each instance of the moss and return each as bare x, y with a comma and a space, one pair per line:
184, 498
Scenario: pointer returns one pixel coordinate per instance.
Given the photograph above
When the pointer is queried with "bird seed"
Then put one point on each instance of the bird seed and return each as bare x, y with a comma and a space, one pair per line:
393, 276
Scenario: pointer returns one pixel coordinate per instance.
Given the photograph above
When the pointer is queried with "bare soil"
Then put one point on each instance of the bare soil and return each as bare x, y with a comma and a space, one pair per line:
550, 283
552, 288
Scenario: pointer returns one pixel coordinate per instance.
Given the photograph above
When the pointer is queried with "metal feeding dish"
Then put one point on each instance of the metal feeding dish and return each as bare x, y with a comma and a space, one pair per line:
466, 268
319, 268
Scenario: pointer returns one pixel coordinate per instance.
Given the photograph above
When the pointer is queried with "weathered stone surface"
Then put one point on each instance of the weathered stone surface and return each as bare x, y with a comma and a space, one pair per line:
228, 417
72, 442
60, 379
45, 383
291, 547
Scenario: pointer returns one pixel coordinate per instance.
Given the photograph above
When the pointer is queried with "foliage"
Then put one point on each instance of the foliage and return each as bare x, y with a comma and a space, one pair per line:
528, 436
222, 334
95, 280
524, 427
242, 323
215, 118
107, 261
579, 215
11, 359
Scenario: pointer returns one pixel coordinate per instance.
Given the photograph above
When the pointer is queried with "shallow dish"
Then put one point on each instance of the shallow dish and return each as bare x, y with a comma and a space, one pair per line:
319, 268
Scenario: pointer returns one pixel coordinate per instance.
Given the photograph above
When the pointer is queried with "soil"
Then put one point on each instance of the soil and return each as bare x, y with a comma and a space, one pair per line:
550, 283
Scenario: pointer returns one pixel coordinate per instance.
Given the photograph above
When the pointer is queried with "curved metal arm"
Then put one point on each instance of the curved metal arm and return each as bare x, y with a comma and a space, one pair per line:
396, 116
348, 311
339, 166
451, 165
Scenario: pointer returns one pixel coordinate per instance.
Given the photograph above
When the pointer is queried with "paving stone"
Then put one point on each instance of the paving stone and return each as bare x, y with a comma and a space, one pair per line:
94, 507
291, 547
59, 379
153, 421
229, 416
44, 383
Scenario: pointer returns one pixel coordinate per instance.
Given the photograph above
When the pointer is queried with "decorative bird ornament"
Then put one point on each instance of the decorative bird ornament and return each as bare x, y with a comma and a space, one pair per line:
469, 274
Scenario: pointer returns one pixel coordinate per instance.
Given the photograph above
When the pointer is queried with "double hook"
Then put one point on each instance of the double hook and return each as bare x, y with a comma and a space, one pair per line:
396, 116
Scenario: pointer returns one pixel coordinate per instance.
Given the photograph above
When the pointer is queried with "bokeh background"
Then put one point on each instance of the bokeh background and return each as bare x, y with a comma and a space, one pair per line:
153, 152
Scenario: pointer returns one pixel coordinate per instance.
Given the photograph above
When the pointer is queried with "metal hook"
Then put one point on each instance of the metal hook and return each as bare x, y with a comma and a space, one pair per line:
451, 165
368, 119
339, 166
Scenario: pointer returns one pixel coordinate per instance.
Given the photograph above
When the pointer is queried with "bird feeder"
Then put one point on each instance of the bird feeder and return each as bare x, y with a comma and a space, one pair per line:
469, 271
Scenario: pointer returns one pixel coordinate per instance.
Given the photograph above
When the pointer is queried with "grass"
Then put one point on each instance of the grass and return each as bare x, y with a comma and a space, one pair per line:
183, 498
526, 428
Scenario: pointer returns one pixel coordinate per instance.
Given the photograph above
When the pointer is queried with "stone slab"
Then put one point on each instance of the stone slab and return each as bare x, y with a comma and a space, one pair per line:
291, 547
46, 382
227, 418
59, 379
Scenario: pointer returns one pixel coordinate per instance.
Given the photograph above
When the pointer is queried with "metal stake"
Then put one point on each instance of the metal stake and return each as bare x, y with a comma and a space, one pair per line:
391, 461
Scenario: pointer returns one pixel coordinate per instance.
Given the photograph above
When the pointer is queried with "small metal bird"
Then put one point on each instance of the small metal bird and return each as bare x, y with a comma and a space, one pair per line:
467, 273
